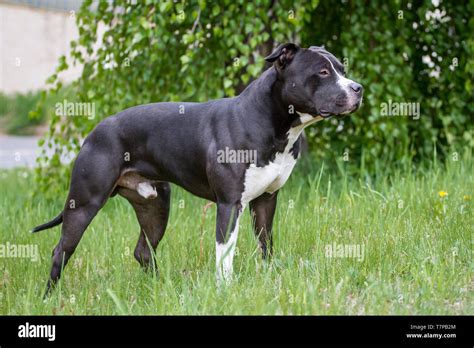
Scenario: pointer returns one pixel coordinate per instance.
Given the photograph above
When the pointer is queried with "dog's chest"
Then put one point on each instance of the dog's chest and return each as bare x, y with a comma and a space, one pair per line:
273, 175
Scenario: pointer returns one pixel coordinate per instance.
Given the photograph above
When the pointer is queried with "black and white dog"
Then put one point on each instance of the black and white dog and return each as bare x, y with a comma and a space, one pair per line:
139, 151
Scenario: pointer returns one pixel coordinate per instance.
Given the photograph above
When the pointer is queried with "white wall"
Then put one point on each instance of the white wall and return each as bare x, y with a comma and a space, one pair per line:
31, 42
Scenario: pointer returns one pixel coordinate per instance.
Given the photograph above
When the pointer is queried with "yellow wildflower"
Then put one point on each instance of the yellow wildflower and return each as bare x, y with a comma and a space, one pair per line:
442, 194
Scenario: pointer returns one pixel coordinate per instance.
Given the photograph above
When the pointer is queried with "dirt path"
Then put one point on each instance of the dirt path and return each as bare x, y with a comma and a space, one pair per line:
20, 151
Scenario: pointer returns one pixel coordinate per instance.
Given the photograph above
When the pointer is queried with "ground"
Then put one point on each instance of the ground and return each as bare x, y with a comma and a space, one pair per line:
413, 231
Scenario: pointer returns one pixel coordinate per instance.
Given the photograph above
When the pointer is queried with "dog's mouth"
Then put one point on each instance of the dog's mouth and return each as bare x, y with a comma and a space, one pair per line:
352, 109
327, 114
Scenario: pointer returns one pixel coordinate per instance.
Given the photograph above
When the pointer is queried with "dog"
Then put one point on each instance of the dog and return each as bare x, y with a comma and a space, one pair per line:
138, 152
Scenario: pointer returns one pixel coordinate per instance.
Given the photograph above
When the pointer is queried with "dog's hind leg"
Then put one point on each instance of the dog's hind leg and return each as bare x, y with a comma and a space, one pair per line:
152, 215
93, 180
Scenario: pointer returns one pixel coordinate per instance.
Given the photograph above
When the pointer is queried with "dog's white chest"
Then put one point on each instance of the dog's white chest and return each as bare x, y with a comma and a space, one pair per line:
274, 175
269, 178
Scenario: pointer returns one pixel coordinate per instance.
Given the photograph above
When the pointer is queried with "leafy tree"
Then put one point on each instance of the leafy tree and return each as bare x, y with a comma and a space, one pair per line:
166, 51
136, 52
384, 45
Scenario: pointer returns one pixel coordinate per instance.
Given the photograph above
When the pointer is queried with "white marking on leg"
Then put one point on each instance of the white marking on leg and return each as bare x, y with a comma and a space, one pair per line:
225, 255
146, 190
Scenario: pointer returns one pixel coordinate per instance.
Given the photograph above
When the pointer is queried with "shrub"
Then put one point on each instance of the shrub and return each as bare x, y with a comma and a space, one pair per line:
199, 51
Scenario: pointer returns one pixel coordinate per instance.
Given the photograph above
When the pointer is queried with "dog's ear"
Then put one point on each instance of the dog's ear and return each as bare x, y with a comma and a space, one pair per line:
283, 55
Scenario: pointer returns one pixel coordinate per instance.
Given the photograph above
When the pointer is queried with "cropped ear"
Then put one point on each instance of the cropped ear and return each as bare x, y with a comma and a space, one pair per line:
282, 55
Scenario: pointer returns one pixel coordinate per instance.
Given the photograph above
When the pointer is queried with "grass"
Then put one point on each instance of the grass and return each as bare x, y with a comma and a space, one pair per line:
417, 251
15, 110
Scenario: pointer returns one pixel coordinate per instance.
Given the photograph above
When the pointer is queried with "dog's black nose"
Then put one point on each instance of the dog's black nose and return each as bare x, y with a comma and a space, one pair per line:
356, 87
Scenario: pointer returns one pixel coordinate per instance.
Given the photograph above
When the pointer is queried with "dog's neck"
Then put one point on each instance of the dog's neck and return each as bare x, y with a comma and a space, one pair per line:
265, 94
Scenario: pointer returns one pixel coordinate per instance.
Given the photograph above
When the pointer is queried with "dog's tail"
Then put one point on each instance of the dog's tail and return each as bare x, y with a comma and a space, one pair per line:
56, 221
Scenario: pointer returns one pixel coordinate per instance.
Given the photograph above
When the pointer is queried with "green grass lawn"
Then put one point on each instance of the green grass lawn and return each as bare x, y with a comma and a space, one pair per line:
417, 251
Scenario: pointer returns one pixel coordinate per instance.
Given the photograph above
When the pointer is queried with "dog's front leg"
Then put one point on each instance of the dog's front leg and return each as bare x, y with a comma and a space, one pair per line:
262, 210
227, 230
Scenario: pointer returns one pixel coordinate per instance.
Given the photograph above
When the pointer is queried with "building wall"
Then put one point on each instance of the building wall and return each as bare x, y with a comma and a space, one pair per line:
31, 42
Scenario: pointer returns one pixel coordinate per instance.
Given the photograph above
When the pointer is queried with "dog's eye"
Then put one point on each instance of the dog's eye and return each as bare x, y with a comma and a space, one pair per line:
324, 72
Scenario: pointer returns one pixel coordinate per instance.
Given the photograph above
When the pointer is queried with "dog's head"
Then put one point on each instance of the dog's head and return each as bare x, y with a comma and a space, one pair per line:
314, 81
